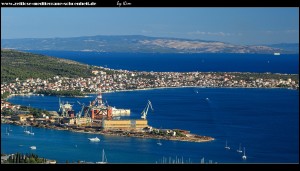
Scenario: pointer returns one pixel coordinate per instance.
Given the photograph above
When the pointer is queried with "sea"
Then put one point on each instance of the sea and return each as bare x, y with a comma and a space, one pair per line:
264, 121
182, 62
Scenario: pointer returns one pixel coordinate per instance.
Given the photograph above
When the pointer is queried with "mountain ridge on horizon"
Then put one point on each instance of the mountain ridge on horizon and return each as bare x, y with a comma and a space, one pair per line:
142, 44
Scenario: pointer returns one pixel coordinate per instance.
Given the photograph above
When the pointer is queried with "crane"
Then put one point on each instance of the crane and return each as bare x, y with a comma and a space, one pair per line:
145, 111
80, 113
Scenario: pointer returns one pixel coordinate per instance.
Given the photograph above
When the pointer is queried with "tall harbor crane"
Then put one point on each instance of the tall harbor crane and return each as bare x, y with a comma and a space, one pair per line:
79, 114
145, 111
84, 108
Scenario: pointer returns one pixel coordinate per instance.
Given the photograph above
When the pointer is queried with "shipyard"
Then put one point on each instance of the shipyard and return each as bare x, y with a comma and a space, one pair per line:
100, 118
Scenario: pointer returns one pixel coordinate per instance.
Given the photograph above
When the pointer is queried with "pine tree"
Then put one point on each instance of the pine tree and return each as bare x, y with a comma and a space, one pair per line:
26, 160
14, 159
18, 158
9, 159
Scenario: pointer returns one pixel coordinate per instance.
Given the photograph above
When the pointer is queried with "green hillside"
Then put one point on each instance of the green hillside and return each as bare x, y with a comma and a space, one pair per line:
22, 65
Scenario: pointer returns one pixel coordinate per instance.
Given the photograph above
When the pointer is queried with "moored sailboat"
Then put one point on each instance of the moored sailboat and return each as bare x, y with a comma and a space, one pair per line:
104, 159
226, 146
240, 149
31, 133
159, 143
244, 157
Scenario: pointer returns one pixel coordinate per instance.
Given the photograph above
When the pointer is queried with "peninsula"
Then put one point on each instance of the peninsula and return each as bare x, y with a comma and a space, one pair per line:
148, 132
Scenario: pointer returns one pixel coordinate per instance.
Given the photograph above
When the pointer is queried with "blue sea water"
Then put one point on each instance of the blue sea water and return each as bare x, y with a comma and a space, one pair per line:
285, 63
264, 121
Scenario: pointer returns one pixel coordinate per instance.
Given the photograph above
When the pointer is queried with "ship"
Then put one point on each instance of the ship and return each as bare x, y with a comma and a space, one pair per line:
94, 139
65, 109
276, 53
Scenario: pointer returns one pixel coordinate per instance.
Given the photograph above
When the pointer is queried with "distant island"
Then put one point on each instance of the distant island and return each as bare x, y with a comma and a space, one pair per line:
142, 44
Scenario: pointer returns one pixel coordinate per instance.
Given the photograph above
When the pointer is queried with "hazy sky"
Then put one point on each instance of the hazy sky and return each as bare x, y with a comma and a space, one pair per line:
234, 25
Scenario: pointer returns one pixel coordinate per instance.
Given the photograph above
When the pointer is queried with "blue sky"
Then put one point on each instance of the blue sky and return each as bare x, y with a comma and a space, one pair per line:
234, 25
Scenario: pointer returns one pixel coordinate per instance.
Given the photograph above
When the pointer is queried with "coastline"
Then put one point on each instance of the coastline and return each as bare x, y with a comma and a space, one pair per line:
146, 89
112, 133
125, 133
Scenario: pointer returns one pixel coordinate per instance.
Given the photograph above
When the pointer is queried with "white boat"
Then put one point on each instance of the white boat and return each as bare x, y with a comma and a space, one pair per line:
244, 157
227, 147
33, 147
104, 159
9, 128
31, 133
239, 150
94, 139
7, 133
276, 53
26, 131
52, 162
159, 143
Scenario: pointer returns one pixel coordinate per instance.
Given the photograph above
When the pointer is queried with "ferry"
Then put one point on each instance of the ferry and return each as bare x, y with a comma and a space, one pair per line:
276, 53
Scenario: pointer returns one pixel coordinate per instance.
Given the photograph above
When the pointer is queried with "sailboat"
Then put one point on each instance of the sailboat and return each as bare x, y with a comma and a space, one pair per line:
7, 133
239, 150
25, 131
244, 157
227, 147
159, 143
202, 161
104, 159
31, 133
9, 128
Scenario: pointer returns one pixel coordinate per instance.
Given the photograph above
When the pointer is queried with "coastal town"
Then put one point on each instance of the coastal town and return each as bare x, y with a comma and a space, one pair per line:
119, 80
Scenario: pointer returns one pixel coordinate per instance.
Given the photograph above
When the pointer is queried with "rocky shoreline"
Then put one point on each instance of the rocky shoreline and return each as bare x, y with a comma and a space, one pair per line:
188, 137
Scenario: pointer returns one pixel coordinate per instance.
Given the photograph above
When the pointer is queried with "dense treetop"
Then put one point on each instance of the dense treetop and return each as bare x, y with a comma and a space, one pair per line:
22, 65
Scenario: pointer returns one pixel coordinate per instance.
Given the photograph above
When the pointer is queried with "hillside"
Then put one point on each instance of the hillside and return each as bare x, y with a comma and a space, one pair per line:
134, 44
15, 64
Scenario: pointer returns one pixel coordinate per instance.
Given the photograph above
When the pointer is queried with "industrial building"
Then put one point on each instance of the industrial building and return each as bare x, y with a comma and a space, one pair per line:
124, 124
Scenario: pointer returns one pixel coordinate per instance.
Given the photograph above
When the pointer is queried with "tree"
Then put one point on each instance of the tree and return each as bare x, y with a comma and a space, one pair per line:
17, 158
10, 160
32, 160
13, 158
26, 160
4, 95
